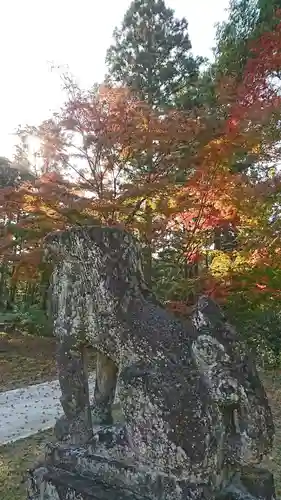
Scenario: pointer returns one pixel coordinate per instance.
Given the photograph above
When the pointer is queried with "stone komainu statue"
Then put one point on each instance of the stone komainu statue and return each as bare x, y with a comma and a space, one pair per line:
196, 420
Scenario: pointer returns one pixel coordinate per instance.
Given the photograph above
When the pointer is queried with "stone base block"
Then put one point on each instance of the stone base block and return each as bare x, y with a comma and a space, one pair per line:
91, 473
83, 473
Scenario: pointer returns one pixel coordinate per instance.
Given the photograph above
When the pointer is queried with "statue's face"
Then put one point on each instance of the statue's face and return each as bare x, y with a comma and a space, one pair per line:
243, 431
215, 364
234, 387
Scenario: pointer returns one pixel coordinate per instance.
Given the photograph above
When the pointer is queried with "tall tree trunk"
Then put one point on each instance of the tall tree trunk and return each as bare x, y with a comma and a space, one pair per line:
148, 243
3, 289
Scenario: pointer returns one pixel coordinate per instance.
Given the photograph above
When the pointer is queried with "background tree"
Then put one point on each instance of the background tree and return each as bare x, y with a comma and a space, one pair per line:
247, 21
151, 53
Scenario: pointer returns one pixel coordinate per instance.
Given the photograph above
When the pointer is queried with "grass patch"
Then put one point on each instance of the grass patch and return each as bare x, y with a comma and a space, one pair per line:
15, 459
27, 359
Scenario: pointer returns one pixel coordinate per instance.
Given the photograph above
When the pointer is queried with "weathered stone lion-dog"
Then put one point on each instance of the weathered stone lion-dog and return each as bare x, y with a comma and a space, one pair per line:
192, 400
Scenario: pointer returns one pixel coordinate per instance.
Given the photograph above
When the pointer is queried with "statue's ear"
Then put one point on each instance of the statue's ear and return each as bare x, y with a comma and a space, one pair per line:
210, 309
209, 314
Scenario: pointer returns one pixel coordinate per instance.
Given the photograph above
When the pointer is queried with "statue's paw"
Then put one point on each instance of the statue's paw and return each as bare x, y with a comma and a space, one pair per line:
76, 431
100, 416
62, 428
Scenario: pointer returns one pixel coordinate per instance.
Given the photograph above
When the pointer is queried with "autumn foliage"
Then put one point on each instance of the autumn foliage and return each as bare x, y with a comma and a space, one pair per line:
107, 157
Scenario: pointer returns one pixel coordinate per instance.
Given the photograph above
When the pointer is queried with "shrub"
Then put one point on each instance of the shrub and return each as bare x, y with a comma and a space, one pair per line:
259, 325
33, 321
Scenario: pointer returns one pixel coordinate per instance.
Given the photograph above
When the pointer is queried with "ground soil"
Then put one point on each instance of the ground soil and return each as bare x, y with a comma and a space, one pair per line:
26, 359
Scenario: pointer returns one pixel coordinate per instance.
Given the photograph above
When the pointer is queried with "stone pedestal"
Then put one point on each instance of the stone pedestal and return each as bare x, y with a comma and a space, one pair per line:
105, 470
93, 477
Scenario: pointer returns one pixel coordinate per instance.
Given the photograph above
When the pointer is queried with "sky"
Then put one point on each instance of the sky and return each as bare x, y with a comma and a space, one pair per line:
76, 34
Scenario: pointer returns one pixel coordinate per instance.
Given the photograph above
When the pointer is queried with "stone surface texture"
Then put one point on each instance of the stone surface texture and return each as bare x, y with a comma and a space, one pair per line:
194, 418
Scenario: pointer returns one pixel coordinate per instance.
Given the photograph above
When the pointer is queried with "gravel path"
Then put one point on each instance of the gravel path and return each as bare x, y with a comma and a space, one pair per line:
23, 412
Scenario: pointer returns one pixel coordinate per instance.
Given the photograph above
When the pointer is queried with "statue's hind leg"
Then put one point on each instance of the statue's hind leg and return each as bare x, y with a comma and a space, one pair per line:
105, 387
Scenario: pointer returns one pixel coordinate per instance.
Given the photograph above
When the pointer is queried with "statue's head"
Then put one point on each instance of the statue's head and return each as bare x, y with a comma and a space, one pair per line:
234, 386
107, 257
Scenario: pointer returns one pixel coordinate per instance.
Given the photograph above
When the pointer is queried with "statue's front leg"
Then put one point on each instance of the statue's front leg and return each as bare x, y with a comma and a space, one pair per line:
76, 425
105, 387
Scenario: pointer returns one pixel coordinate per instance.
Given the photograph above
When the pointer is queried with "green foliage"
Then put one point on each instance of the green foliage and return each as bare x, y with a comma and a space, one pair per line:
233, 35
9, 318
151, 53
254, 307
247, 20
259, 325
12, 174
169, 277
267, 14
33, 321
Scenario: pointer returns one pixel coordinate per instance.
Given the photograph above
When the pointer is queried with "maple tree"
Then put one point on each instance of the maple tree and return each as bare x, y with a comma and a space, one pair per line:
100, 142
94, 162
241, 207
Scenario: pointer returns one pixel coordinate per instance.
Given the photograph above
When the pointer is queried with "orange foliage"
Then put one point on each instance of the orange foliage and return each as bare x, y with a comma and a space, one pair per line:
106, 156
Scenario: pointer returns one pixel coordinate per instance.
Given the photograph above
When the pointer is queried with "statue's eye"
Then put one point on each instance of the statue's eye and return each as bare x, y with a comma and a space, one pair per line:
210, 354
